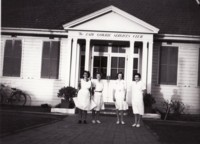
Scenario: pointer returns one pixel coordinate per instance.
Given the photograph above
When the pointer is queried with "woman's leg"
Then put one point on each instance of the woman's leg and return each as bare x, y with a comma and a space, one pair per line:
85, 115
139, 119
93, 114
97, 115
135, 117
80, 116
122, 117
135, 120
117, 112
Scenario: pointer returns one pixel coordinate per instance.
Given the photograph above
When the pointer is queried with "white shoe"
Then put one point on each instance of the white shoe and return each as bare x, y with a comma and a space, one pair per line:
117, 122
98, 121
122, 122
93, 121
134, 125
137, 125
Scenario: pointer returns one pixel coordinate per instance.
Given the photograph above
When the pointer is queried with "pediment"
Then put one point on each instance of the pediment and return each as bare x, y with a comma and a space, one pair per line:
111, 19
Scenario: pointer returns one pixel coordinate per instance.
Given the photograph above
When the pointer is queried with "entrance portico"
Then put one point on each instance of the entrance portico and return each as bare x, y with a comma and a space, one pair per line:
88, 30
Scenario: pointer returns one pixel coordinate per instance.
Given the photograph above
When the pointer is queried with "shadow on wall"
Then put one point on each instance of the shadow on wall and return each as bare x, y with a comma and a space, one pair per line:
28, 99
175, 96
171, 105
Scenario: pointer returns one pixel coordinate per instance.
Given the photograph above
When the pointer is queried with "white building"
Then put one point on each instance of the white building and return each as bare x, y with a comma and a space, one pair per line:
45, 46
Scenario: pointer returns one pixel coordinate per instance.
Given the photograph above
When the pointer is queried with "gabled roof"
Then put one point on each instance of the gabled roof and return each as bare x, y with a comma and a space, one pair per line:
111, 19
170, 16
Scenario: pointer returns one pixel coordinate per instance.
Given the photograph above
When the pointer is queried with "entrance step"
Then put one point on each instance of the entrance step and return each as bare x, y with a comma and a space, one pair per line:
110, 109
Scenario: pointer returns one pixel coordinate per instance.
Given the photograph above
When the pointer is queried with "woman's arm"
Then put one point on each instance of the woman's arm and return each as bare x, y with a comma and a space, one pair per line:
114, 95
125, 91
125, 95
79, 85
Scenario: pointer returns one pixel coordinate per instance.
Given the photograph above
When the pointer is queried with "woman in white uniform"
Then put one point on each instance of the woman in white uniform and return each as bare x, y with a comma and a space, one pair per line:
119, 97
138, 89
82, 101
97, 98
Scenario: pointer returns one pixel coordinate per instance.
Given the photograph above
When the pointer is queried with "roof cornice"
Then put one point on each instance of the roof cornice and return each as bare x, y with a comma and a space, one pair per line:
175, 37
30, 31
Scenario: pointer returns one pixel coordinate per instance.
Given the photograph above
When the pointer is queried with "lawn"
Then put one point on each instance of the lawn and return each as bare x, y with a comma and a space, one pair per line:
12, 122
175, 132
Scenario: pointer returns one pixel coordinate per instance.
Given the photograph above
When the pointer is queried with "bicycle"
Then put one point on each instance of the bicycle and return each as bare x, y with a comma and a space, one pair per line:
12, 96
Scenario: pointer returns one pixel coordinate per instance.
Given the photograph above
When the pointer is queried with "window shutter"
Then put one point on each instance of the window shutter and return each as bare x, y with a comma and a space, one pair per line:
163, 64
17, 51
12, 58
172, 65
50, 59
55, 50
45, 60
7, 67
168, 65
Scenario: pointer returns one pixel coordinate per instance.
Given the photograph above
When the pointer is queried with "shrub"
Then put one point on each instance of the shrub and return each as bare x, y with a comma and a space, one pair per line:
67, 93
149, 100
174, 107
177, 107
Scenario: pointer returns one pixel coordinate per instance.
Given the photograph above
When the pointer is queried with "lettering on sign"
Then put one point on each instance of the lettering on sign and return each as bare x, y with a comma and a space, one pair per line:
110, 35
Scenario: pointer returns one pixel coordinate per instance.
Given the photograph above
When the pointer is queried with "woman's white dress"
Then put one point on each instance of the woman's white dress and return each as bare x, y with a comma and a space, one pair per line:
137, 97
82, 101
120, 91
98, 95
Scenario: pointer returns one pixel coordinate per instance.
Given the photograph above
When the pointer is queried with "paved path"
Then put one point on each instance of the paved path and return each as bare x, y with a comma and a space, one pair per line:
68, 131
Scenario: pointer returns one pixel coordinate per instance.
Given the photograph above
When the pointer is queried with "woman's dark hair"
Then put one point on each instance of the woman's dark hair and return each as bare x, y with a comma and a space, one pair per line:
87, 73
99, 73
121, 74
137, 75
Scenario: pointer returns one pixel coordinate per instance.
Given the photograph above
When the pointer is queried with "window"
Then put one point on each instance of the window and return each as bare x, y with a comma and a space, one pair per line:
199, 69
50, 59
100, 48
82, 66
118, 49
135, 67
12, 58
100, 65
168, 65
117, 65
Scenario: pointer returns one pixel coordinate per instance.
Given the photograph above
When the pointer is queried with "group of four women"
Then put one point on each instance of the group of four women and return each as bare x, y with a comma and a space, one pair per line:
90, 98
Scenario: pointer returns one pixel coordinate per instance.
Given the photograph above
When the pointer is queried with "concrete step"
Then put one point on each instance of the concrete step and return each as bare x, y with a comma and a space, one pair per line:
110, 109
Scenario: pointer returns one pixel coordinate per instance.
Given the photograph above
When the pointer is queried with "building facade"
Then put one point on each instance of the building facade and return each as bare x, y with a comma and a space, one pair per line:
42, 60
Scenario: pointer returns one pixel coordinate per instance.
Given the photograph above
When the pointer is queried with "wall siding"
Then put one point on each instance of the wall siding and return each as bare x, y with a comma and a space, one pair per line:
40, 90
187, 89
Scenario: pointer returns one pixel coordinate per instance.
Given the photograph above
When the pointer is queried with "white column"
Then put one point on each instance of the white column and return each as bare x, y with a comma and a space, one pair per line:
87, 55
73, 63
68, 61
144, 62
77, 66
150, 64
130, 71
130, 62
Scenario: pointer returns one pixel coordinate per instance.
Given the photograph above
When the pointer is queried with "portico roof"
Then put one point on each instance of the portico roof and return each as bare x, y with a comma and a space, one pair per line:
111, 19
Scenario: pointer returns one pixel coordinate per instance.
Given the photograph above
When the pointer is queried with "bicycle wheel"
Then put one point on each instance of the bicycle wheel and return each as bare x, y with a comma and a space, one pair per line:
18, 99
